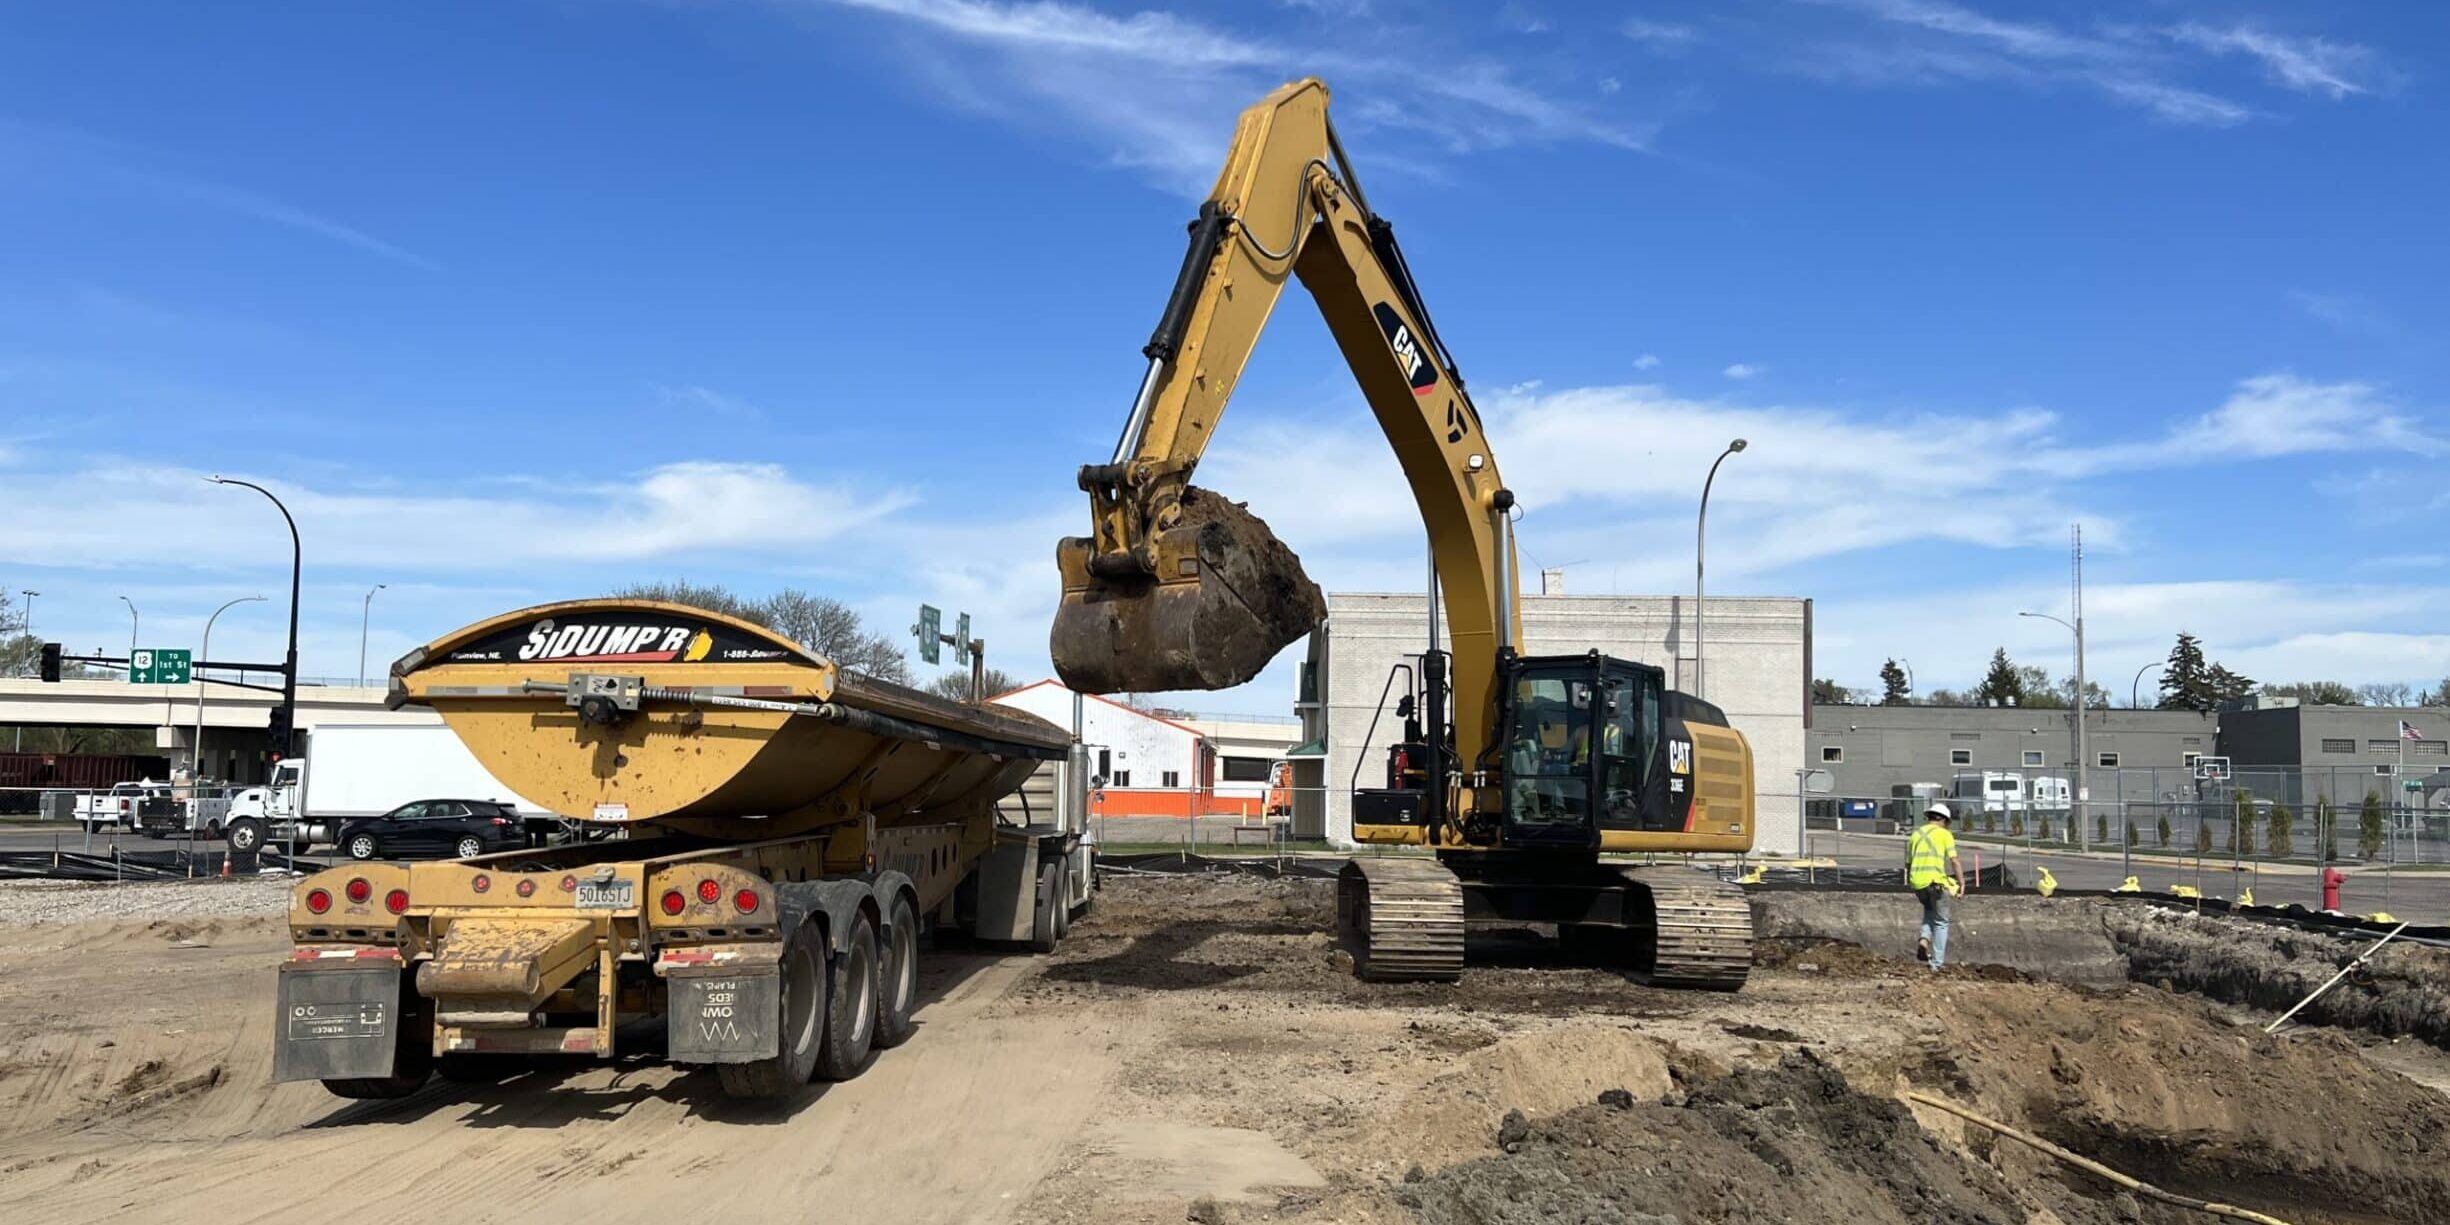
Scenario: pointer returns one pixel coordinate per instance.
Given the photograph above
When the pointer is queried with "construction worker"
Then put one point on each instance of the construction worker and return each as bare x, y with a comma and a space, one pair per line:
1931, 869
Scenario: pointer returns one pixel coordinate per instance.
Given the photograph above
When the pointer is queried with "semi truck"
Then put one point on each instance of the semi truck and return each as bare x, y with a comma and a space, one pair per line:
792, 830
365, 770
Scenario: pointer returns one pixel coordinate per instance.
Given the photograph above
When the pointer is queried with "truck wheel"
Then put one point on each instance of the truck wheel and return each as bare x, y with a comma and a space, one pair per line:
362, 846
900, 995
246, 834
1045, 931
470, 847
850, 1024
803, 1031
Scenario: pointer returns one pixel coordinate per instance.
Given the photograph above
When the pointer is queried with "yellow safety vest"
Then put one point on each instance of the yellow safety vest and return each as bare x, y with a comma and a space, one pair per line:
1932, 845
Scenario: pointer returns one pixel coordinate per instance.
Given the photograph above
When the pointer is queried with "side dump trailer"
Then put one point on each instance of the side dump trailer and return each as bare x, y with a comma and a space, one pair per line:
791, 829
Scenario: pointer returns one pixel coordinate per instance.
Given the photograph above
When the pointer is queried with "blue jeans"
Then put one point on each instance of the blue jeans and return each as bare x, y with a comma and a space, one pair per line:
1935, 922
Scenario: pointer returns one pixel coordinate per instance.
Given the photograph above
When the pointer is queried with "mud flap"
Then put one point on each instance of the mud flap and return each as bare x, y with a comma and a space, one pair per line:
340, 1024
723, 1014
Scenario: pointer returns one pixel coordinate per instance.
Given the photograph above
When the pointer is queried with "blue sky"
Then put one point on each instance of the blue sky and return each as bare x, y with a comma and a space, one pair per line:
518, 301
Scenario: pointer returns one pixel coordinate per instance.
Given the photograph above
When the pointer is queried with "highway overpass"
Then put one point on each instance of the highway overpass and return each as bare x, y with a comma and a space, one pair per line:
234, 719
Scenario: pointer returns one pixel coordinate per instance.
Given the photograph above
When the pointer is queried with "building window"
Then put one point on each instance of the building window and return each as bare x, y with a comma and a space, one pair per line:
1122, 778
2338, 746
1965, 735
1833, 753
2382, 770
1960, 757
1169, 778
2381, 746
2189, 760
2193, 742
1246, 769
2428, 748
2033, 757
2108, 761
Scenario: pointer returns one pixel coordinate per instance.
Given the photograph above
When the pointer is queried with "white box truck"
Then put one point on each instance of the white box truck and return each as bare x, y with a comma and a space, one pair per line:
365, 770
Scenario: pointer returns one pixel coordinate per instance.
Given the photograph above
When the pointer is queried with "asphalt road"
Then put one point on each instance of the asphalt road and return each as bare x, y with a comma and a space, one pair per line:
2408, 893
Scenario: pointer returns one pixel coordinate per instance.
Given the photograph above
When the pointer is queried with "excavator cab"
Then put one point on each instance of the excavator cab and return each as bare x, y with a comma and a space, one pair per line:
1582, 737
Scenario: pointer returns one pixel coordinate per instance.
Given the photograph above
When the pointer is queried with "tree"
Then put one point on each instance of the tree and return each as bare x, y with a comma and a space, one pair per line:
956, 685
2326, 830
2241, 824
2039, 691
2042, 831
2002, 685
2186, 683
1947, 697
2282, 841
2132, 839
2203, 834
2016, 825
823, 624
2317, 693
2101, 828
1830, 693
2387, 693
2161, 828
1895, 692
2369, 826
2438, 695
18, 649
2230, 686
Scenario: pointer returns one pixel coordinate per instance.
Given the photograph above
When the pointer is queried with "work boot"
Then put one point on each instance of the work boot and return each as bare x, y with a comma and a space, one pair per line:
1922, 948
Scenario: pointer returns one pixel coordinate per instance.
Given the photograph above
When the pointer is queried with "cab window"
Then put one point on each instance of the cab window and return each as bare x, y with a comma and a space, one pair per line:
1549, 761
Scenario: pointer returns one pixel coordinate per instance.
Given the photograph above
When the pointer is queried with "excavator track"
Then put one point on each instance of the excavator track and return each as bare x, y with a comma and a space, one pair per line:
1704, 933
1402, 919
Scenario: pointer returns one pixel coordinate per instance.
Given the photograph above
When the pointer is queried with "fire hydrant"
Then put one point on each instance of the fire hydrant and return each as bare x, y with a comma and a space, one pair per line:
2332, 879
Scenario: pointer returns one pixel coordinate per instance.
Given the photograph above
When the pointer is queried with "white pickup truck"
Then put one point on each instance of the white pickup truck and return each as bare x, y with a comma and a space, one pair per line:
364, 770
122, 807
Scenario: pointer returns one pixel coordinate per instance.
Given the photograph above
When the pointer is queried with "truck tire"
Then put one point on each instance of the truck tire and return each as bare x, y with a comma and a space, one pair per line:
470, 846
802, 1034
850, 1021
1046, 931
246, 834
363, 847
898, 996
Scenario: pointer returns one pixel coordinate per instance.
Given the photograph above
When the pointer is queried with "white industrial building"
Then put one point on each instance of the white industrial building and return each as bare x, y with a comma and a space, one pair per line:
1757, 667
1166, 764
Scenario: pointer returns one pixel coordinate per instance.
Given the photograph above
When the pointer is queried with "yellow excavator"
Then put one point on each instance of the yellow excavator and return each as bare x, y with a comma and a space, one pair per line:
1518, 772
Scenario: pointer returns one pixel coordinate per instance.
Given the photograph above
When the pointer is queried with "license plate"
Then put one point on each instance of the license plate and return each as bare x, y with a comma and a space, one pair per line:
606, 895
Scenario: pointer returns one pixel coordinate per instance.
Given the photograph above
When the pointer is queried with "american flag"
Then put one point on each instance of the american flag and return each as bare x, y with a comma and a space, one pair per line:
2407, 731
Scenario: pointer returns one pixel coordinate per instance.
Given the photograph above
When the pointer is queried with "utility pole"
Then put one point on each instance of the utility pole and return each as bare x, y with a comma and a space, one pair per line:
1701, 534
2084, 759
365, 613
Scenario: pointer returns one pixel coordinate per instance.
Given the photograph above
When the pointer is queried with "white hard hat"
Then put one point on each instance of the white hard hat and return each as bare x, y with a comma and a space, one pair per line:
1940, 810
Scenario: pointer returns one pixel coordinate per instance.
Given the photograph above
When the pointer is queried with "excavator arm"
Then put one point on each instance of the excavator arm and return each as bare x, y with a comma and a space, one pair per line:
1180, 589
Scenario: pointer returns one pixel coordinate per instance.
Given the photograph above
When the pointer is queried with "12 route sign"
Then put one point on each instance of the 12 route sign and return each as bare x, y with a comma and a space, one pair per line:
159, 666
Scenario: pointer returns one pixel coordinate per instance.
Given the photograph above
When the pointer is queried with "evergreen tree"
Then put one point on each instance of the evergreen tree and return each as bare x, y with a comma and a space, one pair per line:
2186, 683
2282, 843
2132, 839
2101, 828
2016, 825
2203, 834
2369, 827
2241, 825
1894, 692
2043, 834
2326, 830
2162, 830
1826, 692
2227, 686
2003, 685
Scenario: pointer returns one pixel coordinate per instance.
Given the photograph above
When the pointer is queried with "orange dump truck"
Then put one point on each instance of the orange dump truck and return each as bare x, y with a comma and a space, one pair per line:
776, 836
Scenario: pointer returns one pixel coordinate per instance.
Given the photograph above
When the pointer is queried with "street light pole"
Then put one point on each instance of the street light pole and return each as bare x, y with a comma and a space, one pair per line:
2134, 702
2083, 779
1701, 529
289, 662
29, 630
364, 612
133, 621
196, 772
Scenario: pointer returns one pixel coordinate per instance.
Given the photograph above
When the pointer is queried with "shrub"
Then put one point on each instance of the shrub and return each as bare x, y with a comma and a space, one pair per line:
2016, 825
2203, 835
2369, 827
2161, 828
2282, 841
2131, 838
2101, 828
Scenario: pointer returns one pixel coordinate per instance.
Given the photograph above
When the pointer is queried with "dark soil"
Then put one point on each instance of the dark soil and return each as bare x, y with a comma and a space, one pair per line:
2402, 991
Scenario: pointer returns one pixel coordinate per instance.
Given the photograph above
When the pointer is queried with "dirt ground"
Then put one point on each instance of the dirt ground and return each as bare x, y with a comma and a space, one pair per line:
1198, 1050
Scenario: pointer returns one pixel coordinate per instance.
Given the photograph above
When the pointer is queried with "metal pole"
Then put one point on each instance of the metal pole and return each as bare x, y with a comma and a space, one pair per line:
1701, 534
2133, 702
197, 749
289, 662
365, 614
133, 621
2084, 759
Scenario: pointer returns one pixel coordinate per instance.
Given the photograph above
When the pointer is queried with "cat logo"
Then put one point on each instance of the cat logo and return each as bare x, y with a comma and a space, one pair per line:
1418, 369
1680, 757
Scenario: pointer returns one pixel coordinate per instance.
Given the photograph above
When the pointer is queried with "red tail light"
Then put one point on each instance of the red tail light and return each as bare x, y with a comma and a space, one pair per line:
318, 901
396, 901
481, 883
500, 821
527, 888
709, 892
745, 901
674, 903
569, 884
359, 890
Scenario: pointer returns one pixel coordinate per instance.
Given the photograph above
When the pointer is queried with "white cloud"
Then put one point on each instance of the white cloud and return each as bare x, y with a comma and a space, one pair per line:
1609, 85
1743, 370
1659, 36
1161, 90
2282, 414
2307, 65
708, 400
1647, 361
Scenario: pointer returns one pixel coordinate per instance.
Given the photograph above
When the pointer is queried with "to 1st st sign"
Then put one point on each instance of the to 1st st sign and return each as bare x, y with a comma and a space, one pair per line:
159, 666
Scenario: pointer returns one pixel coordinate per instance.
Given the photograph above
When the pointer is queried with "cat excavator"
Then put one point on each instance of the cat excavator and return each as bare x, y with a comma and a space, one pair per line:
1516, 772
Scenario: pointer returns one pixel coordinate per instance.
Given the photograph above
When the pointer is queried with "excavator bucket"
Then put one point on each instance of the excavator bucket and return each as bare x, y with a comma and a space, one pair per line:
1226, 597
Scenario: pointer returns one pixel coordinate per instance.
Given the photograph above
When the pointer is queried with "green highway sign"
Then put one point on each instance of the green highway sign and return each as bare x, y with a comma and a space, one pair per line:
930, 630
159, 666
2413, 784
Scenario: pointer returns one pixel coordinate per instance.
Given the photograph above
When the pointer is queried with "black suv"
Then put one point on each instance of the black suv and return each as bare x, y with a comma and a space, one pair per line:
434, 829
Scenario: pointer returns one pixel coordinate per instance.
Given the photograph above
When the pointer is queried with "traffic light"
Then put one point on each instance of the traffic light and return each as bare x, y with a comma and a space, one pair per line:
51, 663
277, 731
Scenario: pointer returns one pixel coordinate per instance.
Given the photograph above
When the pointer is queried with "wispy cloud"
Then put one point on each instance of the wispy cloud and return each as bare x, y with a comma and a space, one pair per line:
708, 400
1658, 36
2308, 65
1160, 89
127, 168
2347, 312
1934, 41
1743, 370
1647, 361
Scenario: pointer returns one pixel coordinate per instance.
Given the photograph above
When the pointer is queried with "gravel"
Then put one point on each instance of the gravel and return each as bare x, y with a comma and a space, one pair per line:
51, 901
